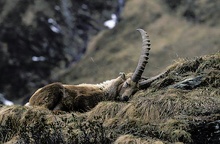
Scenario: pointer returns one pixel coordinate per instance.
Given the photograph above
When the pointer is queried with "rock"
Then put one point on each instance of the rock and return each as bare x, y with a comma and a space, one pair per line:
188, 84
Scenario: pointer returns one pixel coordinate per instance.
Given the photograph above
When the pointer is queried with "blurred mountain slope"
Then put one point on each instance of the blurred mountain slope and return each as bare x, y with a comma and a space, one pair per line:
177, 29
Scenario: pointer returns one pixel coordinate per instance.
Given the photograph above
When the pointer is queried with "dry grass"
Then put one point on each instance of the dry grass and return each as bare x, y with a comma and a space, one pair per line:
130, 139
159, 114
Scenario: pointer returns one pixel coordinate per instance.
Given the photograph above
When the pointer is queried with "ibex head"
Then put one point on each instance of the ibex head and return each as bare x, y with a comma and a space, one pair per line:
132, 82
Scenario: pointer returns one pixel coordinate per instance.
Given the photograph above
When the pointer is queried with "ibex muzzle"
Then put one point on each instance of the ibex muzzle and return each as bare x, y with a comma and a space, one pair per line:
83, 97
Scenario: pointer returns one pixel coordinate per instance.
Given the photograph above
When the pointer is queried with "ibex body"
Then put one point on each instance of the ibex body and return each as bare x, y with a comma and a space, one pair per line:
83, 97
57, 96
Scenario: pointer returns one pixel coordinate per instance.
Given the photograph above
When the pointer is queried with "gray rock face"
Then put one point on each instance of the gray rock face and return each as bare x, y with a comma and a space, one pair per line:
37, 36
189, 83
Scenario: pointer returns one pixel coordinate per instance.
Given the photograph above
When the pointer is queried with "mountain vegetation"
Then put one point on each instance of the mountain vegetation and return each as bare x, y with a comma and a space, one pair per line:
181, 107
65, 41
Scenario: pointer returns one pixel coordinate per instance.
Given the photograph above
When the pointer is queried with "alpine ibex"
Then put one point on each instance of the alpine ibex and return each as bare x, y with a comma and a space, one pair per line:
83, 97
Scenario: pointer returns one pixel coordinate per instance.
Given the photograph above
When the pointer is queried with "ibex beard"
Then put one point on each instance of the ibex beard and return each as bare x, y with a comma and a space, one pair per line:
83, 97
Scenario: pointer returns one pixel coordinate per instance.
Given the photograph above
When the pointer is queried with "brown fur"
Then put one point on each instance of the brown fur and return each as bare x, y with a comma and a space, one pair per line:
83, 97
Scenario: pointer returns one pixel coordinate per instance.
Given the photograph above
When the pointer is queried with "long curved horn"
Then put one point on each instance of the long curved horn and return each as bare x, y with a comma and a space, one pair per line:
143, 60
146, 83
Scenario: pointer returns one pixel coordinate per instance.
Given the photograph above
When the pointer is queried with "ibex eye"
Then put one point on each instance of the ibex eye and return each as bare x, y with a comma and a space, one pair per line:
125, 85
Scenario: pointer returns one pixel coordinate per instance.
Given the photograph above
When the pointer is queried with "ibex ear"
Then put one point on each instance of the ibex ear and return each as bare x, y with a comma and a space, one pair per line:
122, 74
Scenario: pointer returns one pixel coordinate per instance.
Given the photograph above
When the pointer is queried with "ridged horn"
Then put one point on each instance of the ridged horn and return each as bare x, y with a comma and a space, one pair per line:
143, 60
